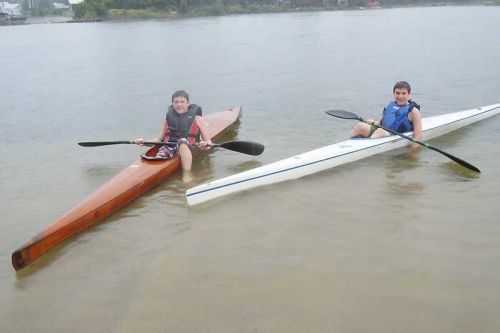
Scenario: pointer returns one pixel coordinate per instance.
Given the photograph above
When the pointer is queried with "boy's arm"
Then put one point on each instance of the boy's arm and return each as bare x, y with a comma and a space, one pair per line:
163, 131
161, 136
374, 122
204, 132
416, 119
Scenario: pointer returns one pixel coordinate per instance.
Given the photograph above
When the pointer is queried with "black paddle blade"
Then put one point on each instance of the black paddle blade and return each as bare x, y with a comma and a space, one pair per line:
450, 156
343, 114
456, 159
102, 143
245, 147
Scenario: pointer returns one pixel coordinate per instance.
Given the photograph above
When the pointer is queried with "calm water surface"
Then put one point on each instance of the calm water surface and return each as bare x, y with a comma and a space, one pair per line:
387, 244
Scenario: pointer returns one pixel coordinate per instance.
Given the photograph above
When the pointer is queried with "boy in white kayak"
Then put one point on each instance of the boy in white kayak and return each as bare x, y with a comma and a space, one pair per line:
401, 115
183, 126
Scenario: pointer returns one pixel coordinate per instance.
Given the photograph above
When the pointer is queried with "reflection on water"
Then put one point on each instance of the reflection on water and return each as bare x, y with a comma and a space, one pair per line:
457, 173
246, 165
100, 171
399, 185
399, 170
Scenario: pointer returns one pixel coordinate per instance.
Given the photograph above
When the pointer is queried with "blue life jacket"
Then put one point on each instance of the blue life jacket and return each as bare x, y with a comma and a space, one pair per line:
182, 125
395, 117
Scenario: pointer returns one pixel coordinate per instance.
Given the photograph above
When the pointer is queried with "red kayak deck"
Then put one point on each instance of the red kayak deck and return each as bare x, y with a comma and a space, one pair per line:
127, 185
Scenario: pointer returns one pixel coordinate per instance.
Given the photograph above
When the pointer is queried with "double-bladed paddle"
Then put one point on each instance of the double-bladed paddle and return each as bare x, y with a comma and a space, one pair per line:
349, 115
245, 147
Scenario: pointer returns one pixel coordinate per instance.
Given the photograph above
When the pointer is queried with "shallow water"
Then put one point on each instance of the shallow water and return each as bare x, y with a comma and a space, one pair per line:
390, 243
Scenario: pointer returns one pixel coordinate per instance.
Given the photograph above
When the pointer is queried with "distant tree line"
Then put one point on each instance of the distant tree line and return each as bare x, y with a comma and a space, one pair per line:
91, 9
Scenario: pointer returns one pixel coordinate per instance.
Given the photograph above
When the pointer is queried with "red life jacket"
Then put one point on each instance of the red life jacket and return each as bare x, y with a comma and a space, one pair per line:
183, 125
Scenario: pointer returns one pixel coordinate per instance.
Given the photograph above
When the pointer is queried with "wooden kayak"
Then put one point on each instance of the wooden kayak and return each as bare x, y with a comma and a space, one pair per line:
333, 155
127, 185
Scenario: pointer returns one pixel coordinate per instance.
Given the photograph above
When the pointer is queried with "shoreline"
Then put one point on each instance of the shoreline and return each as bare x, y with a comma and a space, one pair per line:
119, 15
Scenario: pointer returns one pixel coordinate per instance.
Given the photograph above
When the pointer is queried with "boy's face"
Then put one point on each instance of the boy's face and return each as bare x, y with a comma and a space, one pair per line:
401, 96
180, 104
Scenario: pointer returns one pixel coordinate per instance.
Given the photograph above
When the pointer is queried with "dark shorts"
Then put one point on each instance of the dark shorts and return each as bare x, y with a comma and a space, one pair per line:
372, 130
167, 152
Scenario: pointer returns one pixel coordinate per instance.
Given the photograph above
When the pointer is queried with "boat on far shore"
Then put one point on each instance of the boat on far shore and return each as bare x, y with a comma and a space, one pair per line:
7, 19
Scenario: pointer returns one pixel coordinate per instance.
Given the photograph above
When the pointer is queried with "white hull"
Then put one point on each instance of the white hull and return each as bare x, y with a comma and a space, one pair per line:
332, 156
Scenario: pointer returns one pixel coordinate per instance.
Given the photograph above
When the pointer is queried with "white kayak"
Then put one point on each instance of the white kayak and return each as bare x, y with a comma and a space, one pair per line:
333, 155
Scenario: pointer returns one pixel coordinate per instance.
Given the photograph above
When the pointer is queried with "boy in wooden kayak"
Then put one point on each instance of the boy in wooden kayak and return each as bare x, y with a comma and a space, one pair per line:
401, 115
183, 126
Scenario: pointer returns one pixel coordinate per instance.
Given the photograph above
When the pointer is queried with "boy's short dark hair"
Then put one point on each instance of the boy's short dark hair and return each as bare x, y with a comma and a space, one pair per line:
180, 93
402, 85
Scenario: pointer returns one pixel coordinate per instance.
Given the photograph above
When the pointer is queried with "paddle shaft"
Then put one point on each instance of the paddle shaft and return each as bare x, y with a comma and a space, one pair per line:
107, 143
245, 147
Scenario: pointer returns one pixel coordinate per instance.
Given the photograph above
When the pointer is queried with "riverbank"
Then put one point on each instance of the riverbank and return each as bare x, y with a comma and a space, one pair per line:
220, 8
205, 11
6, 19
